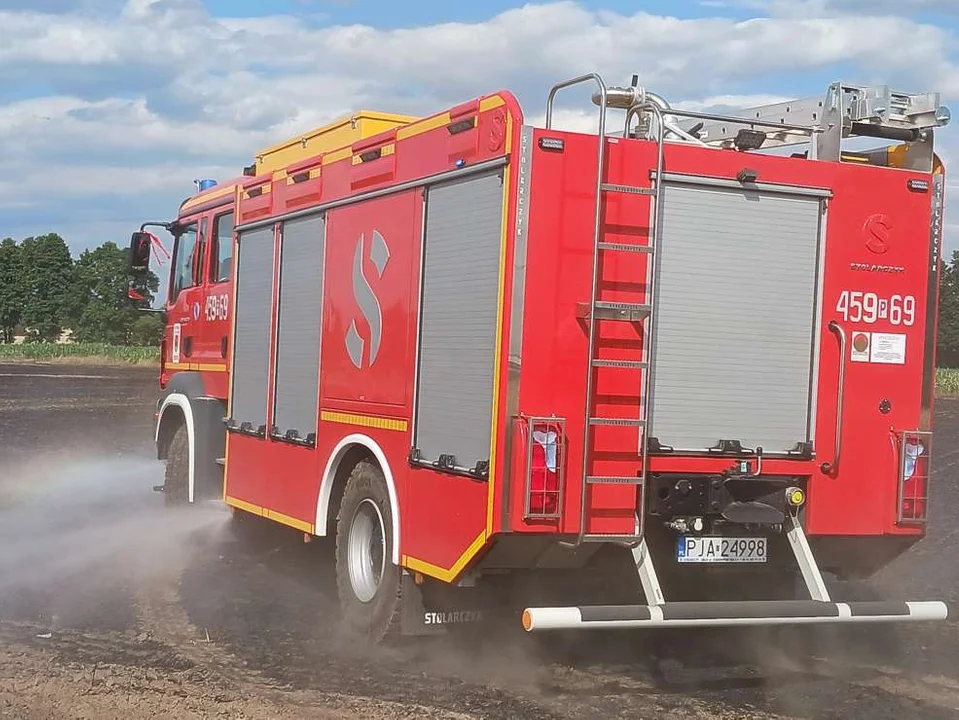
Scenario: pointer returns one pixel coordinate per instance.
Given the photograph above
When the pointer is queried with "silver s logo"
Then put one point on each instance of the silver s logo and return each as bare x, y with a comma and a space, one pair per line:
366, 300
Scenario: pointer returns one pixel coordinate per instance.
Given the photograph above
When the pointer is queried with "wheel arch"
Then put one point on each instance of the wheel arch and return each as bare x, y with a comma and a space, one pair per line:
347, 453
175, 410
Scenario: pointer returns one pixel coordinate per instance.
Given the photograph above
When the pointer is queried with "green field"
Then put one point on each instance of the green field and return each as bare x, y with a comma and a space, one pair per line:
947, 382
947, 379
81, 353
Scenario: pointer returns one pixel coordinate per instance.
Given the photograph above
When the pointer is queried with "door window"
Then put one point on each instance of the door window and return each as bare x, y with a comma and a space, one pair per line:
183, 262
221, 249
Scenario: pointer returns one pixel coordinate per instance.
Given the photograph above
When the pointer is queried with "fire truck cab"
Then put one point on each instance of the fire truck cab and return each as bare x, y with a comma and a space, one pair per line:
694, 354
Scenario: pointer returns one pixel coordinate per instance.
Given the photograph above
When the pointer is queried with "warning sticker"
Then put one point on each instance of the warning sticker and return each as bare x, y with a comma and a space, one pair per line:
175, 352
888, 348
860, 347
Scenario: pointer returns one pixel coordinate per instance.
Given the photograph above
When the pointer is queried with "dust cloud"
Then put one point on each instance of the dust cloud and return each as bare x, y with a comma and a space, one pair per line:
78, 533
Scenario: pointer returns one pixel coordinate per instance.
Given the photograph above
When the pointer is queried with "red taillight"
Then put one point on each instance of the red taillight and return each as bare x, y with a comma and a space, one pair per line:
914, 476
544, 482
544, 485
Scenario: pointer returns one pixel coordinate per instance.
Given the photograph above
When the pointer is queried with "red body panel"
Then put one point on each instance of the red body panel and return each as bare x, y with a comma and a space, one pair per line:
386, 386
447, 520
444, 519
868, 201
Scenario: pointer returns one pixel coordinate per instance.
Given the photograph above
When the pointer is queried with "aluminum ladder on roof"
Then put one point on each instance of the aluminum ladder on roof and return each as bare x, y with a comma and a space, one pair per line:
598, 310
843, 111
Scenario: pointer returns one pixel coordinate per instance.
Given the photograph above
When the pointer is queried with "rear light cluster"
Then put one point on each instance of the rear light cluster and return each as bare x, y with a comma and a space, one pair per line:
544, 468
914, 450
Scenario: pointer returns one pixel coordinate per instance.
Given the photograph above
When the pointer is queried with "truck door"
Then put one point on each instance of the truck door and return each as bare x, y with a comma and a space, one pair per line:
183, 304
217, 288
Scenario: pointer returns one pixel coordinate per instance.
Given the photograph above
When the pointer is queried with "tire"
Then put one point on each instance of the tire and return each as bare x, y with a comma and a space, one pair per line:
176, 482
368, 583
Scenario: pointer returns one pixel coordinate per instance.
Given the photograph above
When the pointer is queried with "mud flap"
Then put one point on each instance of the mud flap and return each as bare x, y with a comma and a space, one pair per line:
420, 617
210, 438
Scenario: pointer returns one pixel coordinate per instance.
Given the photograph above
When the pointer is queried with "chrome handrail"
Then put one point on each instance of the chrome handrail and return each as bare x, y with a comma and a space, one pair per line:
597, 222
833, 467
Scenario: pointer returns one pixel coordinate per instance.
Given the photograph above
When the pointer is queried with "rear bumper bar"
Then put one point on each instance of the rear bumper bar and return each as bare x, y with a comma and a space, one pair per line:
728, 614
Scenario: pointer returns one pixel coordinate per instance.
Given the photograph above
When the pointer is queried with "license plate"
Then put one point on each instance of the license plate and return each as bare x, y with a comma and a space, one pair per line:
720, 549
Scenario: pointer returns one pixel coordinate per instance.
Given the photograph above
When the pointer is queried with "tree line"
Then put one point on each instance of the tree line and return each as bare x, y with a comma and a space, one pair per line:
948, 337
45, 291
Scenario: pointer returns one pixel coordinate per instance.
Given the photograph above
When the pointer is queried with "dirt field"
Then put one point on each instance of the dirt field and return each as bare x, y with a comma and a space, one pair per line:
113, 607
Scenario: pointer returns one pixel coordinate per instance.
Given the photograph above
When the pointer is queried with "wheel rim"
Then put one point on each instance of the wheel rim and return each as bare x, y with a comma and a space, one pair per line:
366, 552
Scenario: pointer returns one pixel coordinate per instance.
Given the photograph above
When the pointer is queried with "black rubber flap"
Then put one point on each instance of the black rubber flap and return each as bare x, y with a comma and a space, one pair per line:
749, 610
874, 609
600, 613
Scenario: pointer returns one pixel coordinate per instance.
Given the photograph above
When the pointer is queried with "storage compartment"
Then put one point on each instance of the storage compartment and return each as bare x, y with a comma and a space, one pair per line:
735, 317
463, 130
374, 161
457, 353
303, 185
256, 200
251, 341
300, 312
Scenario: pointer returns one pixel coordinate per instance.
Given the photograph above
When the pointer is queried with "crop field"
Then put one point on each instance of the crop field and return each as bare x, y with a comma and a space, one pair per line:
85, 353
113, 606
947, 382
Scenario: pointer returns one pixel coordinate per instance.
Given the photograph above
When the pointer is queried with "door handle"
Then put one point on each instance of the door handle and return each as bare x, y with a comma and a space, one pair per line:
833, 467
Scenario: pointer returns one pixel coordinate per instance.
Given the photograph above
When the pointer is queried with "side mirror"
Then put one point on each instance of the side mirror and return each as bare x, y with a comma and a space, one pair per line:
135, 296
140, 244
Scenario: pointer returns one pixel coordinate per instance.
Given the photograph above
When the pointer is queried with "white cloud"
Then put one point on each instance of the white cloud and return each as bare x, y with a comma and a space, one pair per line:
808, 8
144, 100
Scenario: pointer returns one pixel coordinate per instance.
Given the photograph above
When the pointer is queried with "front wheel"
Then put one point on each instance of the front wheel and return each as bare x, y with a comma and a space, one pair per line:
368, 582
176, 481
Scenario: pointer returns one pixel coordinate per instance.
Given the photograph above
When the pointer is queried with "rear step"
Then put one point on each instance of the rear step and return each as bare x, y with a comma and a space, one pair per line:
727, 614
659, 613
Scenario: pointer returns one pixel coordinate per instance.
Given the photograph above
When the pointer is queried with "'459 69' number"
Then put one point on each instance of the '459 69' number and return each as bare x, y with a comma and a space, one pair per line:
866, 307
217, 307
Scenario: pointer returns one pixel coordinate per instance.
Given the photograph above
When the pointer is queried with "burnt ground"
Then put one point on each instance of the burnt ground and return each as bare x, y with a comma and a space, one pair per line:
113, 606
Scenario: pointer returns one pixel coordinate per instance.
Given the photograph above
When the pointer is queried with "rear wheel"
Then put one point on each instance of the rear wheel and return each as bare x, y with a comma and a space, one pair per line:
176, 483
369, 584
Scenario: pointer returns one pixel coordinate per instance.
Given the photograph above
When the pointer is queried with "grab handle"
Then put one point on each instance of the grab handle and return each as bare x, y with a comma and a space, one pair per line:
833, 467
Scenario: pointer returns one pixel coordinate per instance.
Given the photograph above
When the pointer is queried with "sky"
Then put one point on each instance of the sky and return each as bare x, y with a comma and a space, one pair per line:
110, 109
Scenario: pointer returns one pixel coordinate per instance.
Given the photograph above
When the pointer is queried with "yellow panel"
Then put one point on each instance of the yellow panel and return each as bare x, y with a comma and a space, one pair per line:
198, 200
337, 134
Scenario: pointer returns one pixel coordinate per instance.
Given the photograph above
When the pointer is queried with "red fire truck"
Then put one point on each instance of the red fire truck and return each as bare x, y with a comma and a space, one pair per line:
661, 376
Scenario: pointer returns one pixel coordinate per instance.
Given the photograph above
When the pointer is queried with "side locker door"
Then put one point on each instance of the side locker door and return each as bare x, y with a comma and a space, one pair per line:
183, 303
218, 288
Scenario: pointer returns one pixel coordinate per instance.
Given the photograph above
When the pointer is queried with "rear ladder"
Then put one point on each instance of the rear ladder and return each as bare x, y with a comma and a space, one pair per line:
600, 310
